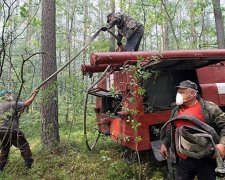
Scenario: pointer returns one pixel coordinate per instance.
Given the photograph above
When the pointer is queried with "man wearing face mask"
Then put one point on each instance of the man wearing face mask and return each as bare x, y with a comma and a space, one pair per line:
189, 104
10, 134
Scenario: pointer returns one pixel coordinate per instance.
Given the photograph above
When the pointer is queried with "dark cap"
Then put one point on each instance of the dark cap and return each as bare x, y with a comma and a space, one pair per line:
187, 84
4, 92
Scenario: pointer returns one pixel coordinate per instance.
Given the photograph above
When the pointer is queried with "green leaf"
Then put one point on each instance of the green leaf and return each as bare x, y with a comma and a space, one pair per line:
36, 22
141, 91
23, 12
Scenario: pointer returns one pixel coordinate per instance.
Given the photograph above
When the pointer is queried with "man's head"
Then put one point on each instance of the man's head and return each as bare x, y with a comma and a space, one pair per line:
6, 95
109, 17
186, 92
187, 84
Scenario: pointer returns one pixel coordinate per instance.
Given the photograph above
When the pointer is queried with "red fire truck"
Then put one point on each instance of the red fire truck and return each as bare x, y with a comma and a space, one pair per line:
134, 119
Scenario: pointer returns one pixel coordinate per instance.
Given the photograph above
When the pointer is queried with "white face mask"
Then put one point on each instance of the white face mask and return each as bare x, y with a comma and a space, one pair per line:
179, 99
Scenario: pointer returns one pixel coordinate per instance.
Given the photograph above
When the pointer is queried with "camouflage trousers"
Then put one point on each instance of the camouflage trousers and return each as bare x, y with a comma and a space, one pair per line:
17, 139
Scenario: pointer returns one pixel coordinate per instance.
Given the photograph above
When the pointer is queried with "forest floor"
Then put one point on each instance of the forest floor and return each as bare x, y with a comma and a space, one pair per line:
72, 159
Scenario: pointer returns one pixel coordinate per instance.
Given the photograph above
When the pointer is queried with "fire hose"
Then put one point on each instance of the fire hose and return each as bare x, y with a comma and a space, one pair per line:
86, 99
190, 139
85, 110
58, 71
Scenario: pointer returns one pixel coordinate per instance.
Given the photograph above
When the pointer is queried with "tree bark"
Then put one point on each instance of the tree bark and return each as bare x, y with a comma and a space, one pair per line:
170, 20
219, 24
49, 108
86, 16
112, 39
165, 31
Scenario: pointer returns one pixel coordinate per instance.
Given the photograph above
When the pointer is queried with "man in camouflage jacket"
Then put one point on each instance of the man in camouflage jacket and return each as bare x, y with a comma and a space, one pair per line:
10, 134
208, 112
127, 27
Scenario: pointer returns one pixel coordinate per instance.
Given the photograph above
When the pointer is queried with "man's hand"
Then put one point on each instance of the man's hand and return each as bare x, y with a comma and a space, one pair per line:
221, 149
120, 48
104, 29
31, 98
164, 151
119, 43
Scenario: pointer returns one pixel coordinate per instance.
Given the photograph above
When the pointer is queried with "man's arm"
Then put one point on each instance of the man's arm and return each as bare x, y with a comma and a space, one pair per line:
30, 100
120, 37
218, 116
112, 23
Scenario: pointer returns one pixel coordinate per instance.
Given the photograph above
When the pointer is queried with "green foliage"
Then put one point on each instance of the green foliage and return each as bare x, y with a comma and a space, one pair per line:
36, 22
120, 171
100, 45
24, 11
71, 159
114, 92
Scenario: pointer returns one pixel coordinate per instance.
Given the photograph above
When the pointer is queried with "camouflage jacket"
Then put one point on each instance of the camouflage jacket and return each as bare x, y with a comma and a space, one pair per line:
7, 119
126, 24
213, 116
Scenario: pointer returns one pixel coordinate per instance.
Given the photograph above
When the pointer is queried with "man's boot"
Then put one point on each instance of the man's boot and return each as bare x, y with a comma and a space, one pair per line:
2, 165
28, 163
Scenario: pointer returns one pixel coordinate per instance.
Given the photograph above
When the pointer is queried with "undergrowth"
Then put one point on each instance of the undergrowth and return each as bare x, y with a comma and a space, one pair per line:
71, 159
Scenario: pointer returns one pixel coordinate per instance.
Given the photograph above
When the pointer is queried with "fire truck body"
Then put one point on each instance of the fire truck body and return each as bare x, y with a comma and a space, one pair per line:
204, 67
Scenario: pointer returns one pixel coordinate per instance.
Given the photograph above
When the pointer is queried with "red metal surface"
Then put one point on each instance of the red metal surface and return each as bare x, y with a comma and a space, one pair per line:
123, 133
218, 71
122, 57
88, 68
205, 75
212, 74
207, 78
120, 127
210, 92
222, 99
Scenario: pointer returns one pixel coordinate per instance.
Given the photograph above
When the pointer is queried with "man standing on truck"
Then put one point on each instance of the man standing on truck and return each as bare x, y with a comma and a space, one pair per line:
10, 134
189, 104
127, 27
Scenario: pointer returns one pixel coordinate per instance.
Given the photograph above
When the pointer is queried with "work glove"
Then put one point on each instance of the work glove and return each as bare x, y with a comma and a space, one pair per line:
104, 29
120, 48
119, 43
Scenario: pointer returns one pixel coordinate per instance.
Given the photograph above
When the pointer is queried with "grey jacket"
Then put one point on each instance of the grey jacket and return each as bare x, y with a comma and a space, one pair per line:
7, 119
126, 24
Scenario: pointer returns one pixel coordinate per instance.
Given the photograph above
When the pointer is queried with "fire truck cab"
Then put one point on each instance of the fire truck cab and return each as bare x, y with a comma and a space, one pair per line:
117, 98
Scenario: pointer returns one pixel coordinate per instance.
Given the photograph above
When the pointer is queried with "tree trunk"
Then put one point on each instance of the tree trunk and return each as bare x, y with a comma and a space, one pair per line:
165, 31
219, 24
112, 39
194, 34
49, 107
85, 29
170, 20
